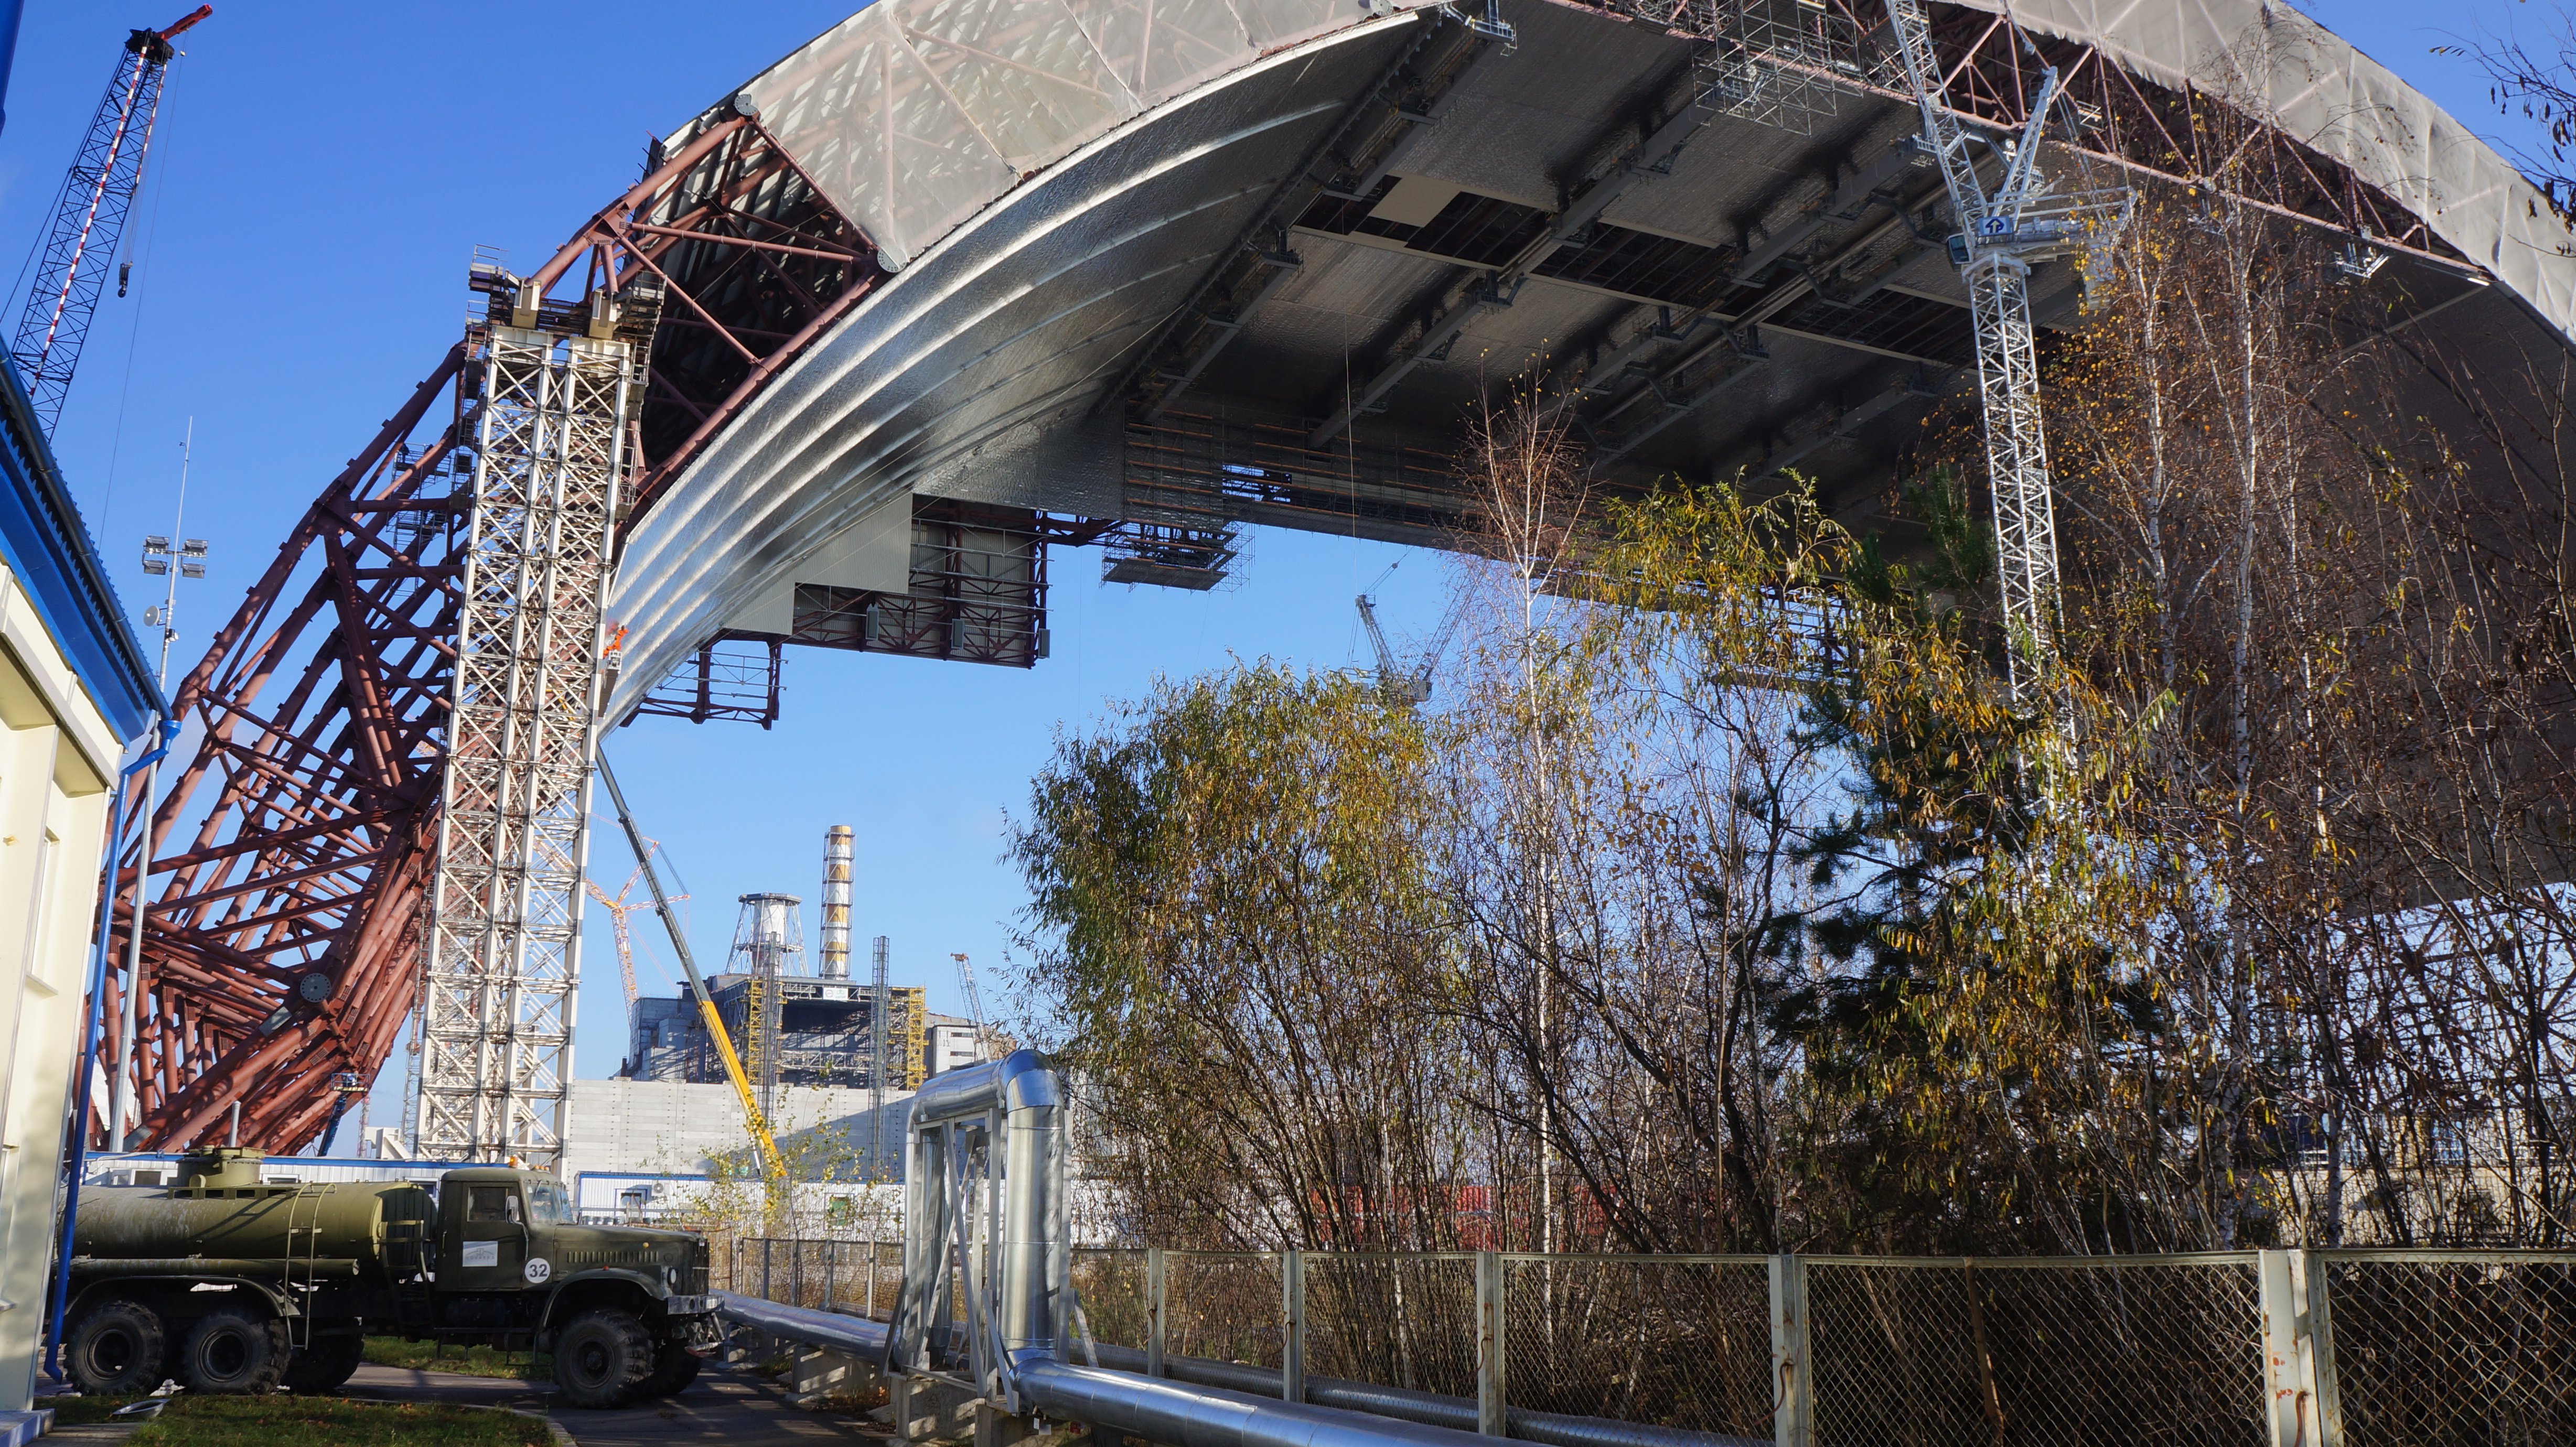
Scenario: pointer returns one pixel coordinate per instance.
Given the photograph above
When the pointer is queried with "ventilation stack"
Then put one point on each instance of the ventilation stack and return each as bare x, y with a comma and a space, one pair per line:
880, 1009
836, 903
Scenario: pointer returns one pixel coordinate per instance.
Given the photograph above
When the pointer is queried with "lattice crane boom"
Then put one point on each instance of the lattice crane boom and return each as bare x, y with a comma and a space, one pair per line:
772, 1164
974, 1005
619, 906
89, 218
1407, 687
2001, 234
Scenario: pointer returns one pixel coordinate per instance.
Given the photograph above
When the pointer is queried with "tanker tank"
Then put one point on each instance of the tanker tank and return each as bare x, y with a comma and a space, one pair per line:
219, 1215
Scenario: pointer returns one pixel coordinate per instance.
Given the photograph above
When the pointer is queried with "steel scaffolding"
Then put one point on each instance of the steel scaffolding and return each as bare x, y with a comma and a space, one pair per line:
504, 940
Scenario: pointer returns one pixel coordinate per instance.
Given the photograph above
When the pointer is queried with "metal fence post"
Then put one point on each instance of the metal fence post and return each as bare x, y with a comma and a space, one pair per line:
831, 1270
2297, 1368
1153, 1311
765, 1293
872, 1275
1793, 1381
1492, 1413
2321, 1356
1292, 1326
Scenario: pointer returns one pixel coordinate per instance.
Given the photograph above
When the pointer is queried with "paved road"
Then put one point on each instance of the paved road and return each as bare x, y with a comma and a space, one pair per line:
722, 1405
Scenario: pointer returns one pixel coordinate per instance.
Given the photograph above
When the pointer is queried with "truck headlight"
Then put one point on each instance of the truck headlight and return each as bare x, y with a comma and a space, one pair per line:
671, 1274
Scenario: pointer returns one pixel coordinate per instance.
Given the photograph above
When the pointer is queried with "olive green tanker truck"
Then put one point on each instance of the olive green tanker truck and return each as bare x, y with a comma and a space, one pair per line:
230, 1284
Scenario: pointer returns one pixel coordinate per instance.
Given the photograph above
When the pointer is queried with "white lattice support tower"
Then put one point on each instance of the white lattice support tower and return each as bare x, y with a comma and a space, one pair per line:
2016, 461
504, 961
2001, 233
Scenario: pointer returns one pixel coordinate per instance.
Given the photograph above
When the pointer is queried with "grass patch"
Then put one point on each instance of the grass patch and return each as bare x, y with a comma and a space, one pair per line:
286, 1421
478, 1361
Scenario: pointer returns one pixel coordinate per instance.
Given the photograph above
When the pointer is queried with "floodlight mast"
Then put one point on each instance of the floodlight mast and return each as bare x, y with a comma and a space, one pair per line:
2000, 236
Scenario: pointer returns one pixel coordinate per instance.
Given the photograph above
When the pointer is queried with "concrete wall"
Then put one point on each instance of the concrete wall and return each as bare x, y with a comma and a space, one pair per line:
57, 753
672, 1127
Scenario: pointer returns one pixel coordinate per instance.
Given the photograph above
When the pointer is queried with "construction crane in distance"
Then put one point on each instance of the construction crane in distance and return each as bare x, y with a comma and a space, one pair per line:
2001, 233
1410, 687
773, 1165
1406, 686
974, 1006
618, 909
89, 218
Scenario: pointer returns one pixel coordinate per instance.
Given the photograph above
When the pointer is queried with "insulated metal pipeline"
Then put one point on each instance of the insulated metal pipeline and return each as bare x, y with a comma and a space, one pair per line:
1430, 1408
1171, 1413
1225, 1404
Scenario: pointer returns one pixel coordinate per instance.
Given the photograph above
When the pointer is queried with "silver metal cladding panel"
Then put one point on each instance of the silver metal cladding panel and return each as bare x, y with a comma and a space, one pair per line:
1015, 319
913, 115
2270, 58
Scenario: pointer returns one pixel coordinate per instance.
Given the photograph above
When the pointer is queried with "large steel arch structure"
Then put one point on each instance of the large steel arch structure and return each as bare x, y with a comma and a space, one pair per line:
956, 282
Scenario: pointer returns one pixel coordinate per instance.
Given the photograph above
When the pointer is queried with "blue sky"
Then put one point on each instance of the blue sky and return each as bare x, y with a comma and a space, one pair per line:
325, 171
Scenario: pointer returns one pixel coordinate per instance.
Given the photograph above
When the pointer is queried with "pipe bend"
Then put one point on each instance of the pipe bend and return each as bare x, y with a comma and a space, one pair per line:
1017, 1081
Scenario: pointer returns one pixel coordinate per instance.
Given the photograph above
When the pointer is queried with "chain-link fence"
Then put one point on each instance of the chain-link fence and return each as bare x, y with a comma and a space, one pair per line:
2453, 1347
1223, 1305
2234, 1349
1674, 1341
1110, 1285
1393, 1321
2142, 1349
860, 1277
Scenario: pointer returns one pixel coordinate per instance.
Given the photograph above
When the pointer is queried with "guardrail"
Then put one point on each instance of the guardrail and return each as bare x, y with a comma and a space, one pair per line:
2290, 1349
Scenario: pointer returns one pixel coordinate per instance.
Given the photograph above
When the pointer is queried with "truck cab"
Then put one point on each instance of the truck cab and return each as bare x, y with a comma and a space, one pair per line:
514, 1233
515, 1267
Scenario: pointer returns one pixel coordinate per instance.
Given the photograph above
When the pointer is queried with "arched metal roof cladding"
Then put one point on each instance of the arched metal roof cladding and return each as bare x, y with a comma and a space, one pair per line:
1333, 225
913, 115
2347, 107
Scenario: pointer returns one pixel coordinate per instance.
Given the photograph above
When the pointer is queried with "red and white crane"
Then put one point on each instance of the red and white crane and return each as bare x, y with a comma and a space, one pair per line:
89, 218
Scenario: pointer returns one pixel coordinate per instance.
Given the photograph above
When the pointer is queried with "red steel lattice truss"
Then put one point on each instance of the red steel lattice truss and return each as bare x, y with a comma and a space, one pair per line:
291, 858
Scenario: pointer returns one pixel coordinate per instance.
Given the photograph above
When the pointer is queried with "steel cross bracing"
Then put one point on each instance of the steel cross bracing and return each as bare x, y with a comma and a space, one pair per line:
2001, 234
290, 859
504, 948
282, 935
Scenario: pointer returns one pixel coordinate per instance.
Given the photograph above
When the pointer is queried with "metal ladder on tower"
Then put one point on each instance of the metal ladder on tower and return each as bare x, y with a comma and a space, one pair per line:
2001, 234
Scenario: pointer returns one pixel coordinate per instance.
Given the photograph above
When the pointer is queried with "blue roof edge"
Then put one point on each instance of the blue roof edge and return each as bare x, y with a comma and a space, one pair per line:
49, 547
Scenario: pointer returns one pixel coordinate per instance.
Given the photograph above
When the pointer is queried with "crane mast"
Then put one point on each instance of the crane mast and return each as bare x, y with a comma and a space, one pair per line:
89, 217
2001, 234
1402, 686
974, 1005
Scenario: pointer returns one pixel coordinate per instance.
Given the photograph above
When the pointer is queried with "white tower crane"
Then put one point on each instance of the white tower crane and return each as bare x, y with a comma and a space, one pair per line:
1405, 686
974, 1006
2002, 233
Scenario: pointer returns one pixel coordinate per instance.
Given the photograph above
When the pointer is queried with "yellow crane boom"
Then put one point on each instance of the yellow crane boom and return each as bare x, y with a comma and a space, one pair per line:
772, 1165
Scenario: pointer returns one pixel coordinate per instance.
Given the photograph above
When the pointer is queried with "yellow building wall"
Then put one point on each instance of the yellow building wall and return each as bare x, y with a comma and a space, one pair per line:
56, 757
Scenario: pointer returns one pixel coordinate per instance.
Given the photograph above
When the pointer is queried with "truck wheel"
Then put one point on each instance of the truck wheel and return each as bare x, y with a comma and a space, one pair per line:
116, 1349
603, 1359
324, 1364
674, 1367
234, 1353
